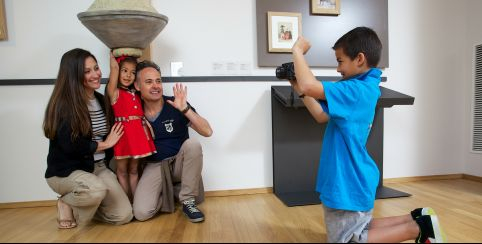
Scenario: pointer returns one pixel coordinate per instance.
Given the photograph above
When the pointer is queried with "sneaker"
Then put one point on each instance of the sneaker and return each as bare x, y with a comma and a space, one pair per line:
430, 230
421, 212
191, 211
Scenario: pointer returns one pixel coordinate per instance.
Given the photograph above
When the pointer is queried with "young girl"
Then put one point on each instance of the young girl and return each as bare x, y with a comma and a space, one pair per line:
137, 140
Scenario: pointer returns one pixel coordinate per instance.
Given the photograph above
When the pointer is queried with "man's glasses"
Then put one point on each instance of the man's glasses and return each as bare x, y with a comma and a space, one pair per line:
146, 64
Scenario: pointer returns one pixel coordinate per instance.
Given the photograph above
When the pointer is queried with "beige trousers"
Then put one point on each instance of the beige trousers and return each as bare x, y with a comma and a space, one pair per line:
175, 178
94, 195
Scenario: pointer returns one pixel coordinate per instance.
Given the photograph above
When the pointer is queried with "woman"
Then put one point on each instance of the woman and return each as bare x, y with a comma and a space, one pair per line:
80, 146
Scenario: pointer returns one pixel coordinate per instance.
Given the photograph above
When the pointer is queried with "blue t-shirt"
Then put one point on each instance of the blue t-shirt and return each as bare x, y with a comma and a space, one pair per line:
347, 175
170, 130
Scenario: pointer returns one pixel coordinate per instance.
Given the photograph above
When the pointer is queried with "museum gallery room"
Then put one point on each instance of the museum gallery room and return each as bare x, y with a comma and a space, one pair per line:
244, 82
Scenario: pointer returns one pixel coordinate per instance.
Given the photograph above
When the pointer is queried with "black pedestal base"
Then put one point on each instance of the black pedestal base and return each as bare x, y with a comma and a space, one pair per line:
386, 192
292, 199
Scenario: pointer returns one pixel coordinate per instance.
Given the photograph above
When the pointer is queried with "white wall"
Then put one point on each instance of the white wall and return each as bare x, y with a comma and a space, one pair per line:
473, 161
425, 62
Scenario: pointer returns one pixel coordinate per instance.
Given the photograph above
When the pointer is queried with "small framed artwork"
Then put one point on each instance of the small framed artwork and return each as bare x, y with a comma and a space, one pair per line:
328, 7
3, 23
283, 31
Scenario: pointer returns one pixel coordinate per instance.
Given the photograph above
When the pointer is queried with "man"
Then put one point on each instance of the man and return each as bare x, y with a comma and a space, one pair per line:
174, 172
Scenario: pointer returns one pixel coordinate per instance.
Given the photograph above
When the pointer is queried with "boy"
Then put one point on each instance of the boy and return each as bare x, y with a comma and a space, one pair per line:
348, 177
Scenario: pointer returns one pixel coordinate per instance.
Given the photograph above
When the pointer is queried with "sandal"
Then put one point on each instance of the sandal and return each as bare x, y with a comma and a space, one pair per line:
64, 223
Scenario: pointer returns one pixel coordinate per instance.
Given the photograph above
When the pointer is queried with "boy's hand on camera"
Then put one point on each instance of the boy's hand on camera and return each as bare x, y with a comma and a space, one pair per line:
301, 45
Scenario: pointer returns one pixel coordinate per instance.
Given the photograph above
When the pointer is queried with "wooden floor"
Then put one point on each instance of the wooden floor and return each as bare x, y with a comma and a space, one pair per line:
256, 218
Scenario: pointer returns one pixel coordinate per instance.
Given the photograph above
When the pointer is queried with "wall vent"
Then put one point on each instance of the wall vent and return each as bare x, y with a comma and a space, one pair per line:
477, 106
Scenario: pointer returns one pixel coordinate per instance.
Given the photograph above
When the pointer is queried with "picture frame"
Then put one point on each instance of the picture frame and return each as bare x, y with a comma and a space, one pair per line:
283, 31
3, 22
325, 7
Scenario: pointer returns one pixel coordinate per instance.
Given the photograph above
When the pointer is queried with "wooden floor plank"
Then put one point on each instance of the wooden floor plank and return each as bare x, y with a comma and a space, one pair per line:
255, 218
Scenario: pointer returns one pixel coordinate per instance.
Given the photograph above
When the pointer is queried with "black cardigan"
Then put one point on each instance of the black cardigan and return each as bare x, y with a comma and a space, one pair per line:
66, 156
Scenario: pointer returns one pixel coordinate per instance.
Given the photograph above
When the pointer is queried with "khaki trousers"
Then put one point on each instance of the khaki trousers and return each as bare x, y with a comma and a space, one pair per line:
94, 195
178, 177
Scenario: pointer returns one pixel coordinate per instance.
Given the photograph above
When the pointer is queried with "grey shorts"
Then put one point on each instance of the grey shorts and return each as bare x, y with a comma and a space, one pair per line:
346, 226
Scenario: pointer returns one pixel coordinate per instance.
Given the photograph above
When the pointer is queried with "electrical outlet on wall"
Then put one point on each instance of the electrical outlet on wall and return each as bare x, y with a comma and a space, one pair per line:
176, 68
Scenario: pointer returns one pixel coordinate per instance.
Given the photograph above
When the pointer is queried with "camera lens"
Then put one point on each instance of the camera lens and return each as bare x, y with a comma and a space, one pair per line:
280, 72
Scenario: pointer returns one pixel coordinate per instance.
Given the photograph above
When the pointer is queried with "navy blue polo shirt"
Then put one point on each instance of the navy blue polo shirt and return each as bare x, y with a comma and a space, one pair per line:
171, 129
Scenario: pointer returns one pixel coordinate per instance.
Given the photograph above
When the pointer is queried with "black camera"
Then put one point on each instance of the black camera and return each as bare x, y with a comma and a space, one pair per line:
286, 71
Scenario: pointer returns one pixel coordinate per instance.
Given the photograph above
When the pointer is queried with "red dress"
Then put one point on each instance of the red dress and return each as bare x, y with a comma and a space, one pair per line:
136, 142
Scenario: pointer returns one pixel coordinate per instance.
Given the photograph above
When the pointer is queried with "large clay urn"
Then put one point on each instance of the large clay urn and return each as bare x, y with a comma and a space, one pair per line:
125, 26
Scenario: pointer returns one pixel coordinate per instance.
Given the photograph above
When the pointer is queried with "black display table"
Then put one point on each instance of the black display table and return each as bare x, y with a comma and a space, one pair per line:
297, 143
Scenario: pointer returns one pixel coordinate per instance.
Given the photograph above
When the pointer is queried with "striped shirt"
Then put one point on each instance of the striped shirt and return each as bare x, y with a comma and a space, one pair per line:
99, 125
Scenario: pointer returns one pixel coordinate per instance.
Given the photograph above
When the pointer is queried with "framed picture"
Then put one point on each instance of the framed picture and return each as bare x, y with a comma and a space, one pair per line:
3, 23
328, 7
283, 31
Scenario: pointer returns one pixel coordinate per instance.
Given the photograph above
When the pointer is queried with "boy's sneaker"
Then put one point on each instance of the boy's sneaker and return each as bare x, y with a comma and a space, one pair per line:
421, 212
191, 211
430, 230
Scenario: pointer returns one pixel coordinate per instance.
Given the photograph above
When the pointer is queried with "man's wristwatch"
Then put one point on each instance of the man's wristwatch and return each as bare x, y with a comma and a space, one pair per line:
186, 109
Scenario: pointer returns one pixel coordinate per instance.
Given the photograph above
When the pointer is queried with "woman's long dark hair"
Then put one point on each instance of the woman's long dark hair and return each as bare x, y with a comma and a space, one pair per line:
69, 99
